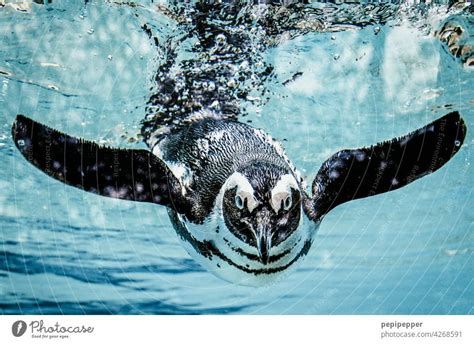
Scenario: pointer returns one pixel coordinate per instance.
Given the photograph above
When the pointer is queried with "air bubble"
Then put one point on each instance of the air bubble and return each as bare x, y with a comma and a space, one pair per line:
457, 143
91, 31
221, 39
21, 143
211, 86
180, 85
110, 57
336, 57
253, 99
244, 65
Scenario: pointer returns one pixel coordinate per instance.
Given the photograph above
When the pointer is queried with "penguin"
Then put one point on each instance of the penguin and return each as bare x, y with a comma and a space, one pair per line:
235, 199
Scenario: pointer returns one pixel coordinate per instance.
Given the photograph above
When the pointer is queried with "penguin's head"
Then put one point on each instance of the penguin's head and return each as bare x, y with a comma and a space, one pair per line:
262, 207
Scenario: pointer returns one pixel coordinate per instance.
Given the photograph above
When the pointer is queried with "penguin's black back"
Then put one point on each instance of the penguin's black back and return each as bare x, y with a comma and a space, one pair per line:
213, 149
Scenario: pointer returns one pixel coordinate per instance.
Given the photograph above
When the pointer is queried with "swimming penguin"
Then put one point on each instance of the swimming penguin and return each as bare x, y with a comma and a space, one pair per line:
233, 196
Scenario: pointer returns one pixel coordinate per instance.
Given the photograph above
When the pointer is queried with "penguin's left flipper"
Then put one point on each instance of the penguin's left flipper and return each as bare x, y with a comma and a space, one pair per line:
387, 166
130, 174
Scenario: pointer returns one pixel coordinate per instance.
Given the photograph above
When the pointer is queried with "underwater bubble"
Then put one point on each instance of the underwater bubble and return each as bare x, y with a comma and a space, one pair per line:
166, 98
253, 99
180, 85
110, 57
376, 30
21, 143
457, 143
91, 31
336, 57
221, 39
431, 93
244, 65
333, 38
211, 86
49, 64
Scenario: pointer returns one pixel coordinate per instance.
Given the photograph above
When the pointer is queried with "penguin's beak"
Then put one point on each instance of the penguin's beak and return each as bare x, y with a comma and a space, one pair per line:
264, 242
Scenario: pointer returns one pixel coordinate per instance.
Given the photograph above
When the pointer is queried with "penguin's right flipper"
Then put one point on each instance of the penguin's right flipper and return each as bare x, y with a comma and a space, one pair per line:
130, 174
358, 173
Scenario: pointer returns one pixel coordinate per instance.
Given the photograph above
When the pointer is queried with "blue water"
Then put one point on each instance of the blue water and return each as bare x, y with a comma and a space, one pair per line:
87, 70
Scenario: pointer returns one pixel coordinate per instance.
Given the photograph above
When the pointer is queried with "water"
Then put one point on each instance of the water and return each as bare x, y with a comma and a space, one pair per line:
88, 70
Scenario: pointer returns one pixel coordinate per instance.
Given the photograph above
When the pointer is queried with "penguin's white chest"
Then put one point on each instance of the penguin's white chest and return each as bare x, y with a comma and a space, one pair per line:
220, 252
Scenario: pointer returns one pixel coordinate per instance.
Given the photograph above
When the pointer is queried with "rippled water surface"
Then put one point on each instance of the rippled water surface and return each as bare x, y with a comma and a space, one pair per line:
89, 70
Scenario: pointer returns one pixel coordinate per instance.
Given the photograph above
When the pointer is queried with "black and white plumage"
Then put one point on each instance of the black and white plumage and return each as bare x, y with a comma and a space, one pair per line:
233, 196
240, 185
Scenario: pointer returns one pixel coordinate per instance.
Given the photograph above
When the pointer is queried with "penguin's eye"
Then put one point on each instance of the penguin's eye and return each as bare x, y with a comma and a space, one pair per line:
282, 193
287, 203
239, 202
282, 201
